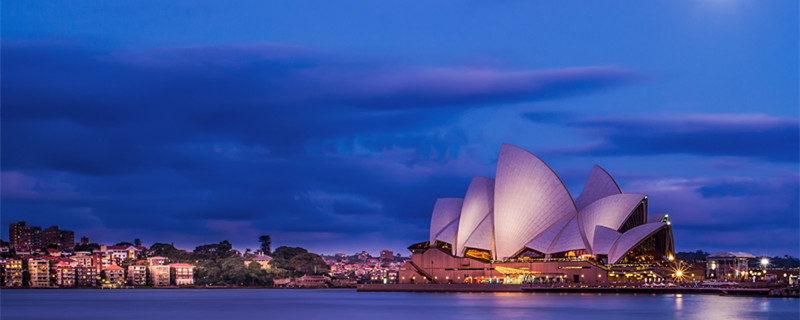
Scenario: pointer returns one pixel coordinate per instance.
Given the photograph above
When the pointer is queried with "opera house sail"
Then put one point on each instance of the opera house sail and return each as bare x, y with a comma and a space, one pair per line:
526, 215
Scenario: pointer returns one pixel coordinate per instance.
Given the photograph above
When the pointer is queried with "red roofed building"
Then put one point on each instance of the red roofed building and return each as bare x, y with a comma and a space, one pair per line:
120, 253
182, 273
64, 274
54, 252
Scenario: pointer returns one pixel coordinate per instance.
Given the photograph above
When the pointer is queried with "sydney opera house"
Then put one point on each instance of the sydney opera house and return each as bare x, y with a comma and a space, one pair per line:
524, 225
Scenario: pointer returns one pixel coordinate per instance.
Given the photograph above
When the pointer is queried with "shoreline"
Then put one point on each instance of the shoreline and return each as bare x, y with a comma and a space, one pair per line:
448, 288
489, 288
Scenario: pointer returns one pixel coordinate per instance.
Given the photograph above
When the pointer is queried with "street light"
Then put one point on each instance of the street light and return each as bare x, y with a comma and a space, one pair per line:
764, 262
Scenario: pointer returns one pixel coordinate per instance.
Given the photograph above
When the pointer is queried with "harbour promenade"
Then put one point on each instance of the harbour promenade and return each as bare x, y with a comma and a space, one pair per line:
464, 287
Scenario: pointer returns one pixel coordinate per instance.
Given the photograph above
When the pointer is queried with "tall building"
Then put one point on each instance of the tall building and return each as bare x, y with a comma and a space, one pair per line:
20, 234
12, 273
137, 275
50, 236
64, 239
39, 270
387, 255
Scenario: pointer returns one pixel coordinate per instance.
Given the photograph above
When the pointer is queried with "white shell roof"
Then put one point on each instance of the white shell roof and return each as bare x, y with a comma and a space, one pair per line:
545, 240
569, 238
445, 215
478, 205
604, 239
599, 185
631, 238
529, 197
610, 212
481, 237
448, 234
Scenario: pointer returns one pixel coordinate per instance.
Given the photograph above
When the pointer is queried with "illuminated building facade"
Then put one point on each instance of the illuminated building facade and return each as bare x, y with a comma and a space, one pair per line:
159, 275
12, 272
39, 270
64, 274
137, 275
20, 234
525, 226
182, 274
86, 276
113, 276
728, 265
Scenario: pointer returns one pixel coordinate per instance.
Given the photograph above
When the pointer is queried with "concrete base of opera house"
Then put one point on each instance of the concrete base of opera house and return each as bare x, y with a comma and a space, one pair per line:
437, 266
442, 287
484, 287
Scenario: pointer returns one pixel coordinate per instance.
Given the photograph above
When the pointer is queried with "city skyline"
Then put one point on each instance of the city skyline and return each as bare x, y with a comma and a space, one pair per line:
192, 123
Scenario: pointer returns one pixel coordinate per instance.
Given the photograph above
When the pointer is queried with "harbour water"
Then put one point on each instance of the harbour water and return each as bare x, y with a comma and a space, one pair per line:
348, 304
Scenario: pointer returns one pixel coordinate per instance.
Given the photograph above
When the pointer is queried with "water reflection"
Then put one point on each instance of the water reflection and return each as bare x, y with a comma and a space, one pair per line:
348, 304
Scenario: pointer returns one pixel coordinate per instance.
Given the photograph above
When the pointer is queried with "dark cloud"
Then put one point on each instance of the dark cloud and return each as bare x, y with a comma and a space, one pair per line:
231, 141
754, 136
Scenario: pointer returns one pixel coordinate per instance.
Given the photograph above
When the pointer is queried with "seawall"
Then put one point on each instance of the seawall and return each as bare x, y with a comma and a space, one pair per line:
759, 292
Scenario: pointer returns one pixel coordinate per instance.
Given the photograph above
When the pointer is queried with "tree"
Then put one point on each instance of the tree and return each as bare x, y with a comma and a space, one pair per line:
308, 263
87, 247
221, 250
266, 244
169, 251
137, 242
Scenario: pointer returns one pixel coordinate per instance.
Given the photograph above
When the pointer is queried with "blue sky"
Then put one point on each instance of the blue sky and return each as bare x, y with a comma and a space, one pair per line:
335, 125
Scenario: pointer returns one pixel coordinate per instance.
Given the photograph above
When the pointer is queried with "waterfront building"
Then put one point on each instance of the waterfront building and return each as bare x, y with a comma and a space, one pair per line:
728, 265
21, 234
159, 275
182, 274
12, 273
113, 276
39, 271
308, 281
524, 226
86, 276
64, 274
137, 275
